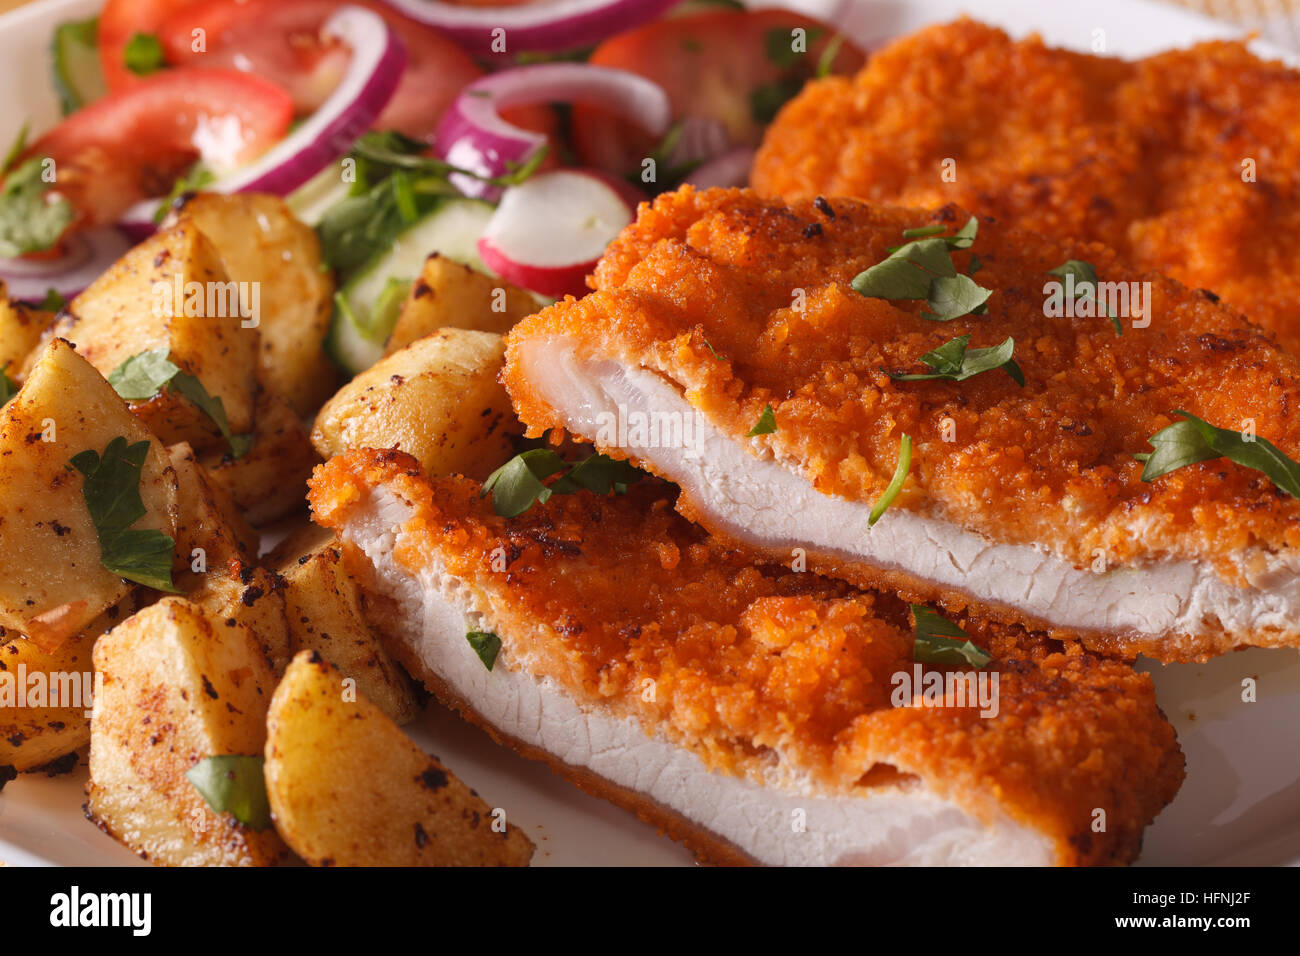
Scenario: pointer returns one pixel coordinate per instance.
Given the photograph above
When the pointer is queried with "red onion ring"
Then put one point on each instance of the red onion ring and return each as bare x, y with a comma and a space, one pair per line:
472, 135
85, 256
374, 70
729, 169
559, 25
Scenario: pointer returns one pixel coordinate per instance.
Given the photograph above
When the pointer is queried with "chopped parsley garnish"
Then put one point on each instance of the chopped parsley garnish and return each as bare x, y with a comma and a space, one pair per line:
939, 641
143, 54
53, 301
112, 495
517, 484
235, 785
194, 180
765, 425
714, 351
1195, 440
923, 269
954, 361
8, 388
826, 62
896, 483
30, 221
141, 376
1085, 284
486, 645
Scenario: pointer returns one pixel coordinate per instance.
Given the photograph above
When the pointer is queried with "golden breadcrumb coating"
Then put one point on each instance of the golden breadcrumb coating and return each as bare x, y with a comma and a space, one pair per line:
1050, 464
1146, 156
757, 667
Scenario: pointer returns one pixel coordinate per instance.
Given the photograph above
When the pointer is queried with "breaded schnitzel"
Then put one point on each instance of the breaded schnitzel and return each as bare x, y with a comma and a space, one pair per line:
735, 318
750, 711
1187, 163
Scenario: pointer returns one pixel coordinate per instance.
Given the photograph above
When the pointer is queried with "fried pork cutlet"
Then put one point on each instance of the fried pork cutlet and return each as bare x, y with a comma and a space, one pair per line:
1187, 163
755, 713
727, 351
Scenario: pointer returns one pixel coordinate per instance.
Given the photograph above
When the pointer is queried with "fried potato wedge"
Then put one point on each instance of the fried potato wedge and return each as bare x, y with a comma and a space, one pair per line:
348, 788
179, 685
323, 606
20, 333
54, 583
251, 596
451, 295
210, 530
437, 399
172, 292
261, 243
46, 696
270, 481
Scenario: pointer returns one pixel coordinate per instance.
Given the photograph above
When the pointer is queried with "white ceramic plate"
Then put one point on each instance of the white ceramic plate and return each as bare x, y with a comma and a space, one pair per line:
1241, 801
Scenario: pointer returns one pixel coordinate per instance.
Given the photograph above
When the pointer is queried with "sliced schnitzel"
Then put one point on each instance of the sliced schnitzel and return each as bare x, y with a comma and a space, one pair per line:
727, 350
1187, 163
752, 712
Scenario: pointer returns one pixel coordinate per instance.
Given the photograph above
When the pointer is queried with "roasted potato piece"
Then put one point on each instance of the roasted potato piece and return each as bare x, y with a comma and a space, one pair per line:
54, 583
179, 685
134, 307
262, 243
253, 597
20, 333
450, 295
270, 481
437, 399
57, 722
348, 788
323, 605
210, 530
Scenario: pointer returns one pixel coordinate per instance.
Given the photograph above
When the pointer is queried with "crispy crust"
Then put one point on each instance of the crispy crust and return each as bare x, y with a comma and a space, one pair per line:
1050, 464
760, 667
1146, 156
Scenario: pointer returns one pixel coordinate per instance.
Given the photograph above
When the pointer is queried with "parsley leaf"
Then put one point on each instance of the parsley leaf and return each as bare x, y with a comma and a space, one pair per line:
1195, 440
953, 360
53, 301
112, 494
1085, 284
896, 483
951, 297
923, 269
517, 484
142, 375
935, 642
143, 54
194, 180
765, 425
235, 785
8, 388
486, 645
30, 221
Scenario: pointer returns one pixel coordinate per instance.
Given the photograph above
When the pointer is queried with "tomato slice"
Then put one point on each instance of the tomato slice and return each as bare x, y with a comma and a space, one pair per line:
118, 22
731, 66
133, 144
278, 40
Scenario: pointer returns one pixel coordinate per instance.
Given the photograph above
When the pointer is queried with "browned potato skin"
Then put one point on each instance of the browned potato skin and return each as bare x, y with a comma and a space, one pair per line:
114, 319
449, 294
270, 481
348, 788
20, 333
323, 606
209, 521
260, 240
251, 596
179, 685
438, 399
53, 583
32, 737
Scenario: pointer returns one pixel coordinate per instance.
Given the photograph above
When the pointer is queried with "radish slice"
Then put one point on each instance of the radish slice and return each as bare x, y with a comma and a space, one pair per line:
374, 70
86, 254
558, 25
548, 233
473, 136
730, 169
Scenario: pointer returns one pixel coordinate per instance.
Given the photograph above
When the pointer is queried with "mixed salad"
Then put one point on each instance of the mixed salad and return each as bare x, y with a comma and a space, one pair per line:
516, 138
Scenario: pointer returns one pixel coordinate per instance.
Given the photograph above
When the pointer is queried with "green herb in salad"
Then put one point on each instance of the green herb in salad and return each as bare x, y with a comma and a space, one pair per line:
143, 54
30, 219
939, 641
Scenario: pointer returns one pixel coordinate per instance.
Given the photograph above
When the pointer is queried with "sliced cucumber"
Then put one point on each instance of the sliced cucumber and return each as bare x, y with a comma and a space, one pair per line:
310, 200
366, 308
78, 78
